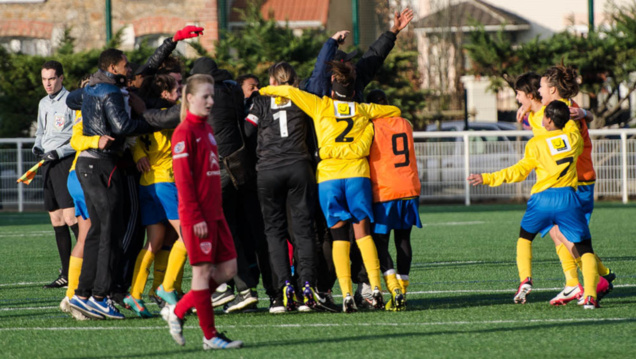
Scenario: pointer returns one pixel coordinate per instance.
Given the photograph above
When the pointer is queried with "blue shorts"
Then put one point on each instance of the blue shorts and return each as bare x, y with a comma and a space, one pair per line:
560, 206
346, 199
396, 214
159, 202
76, 192
586, 197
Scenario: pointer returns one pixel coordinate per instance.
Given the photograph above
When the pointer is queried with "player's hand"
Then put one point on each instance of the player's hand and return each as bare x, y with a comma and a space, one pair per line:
475, 179
577, 113
38, 152
401, 20
188, 32
105, 142
201, 230
143, 165
521, 113
51, 156
340, 36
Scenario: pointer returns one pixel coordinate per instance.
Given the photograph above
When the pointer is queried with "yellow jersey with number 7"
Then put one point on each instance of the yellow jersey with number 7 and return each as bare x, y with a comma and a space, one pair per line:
337, 123
552, 154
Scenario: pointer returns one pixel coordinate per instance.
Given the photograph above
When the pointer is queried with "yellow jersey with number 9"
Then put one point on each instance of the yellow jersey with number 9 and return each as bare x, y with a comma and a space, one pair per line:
553, 154
337, 123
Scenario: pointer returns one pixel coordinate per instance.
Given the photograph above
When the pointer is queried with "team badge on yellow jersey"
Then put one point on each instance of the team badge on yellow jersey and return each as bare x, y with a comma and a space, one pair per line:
559, 144
344, 109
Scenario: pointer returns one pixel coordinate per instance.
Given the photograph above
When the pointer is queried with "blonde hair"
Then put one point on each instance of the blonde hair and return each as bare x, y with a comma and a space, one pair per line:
284, 74
192, 86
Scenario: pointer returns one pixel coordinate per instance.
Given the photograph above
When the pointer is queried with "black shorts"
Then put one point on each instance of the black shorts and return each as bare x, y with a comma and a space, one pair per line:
56, 195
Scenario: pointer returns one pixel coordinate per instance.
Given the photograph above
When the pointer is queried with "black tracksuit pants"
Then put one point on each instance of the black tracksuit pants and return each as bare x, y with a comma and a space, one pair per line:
243, 215
102, 183
292, 186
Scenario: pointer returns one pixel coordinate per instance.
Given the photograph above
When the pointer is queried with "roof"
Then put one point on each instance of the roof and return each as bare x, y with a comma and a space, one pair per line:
460, 17
299, 13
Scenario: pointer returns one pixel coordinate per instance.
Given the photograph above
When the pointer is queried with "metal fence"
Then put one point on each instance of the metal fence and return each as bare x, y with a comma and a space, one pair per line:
444, 161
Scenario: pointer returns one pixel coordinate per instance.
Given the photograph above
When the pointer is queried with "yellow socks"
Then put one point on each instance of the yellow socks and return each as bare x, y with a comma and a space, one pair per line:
403, 279
140, 276
602, 269
590, 274
569, 266
161, 263
371, 262
391, 281
340, 251
179, 281
74, 270
524, 258
177, 259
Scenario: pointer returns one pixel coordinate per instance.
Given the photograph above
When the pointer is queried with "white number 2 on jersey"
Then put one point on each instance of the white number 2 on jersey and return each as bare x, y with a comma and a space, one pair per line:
281, 116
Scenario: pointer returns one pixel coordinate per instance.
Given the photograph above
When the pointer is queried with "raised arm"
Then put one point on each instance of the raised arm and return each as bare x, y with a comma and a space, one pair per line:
319, 81
374, 57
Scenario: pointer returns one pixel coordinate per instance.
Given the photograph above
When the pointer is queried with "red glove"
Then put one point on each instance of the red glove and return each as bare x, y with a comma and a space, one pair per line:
188, 32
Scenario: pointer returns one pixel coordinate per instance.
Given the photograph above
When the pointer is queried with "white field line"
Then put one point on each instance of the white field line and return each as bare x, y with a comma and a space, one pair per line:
453, 223
28, 234
21, 284
457, 291
372, 324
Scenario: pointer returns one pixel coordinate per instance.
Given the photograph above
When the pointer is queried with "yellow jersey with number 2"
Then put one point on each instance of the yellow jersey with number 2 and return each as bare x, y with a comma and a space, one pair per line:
337, 123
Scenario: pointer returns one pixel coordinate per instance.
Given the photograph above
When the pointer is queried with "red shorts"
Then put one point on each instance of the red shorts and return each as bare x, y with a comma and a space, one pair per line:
218, 247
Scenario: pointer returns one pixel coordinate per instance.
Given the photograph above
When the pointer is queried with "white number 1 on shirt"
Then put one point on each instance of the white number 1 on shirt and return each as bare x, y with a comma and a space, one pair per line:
281, 116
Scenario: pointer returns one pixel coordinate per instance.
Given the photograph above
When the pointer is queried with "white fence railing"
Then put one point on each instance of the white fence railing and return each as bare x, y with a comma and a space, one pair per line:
444, 161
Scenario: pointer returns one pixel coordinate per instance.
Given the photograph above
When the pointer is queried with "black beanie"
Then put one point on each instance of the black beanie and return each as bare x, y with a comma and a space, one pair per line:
203, 65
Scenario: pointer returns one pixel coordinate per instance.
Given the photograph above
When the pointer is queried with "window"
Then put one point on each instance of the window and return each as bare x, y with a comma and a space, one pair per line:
27, 45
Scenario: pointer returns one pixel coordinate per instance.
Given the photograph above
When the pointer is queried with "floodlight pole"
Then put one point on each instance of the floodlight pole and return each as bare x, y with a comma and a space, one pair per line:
590, 15
108, 19
354, 20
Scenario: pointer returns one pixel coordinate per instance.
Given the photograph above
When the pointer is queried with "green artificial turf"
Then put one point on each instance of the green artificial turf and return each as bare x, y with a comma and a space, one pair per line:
460, 304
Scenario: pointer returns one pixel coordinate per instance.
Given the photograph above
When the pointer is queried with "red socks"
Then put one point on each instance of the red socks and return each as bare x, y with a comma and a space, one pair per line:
200, 299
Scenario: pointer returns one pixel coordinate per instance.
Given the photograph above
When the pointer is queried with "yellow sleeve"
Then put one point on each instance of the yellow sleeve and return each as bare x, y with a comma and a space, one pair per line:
79, 142
310, 104
352, 151
138, 151
381, 111
515, 173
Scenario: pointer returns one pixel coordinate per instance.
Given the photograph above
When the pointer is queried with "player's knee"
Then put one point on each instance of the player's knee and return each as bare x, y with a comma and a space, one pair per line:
584, 247
526, 235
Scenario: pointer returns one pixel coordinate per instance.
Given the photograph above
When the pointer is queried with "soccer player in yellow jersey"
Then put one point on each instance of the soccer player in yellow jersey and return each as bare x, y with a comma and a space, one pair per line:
553, 198
343, 184
159, 202
534, 92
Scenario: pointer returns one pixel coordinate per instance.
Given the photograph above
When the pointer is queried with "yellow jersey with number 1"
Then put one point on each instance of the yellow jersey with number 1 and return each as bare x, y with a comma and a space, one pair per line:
553, 154
337, 123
